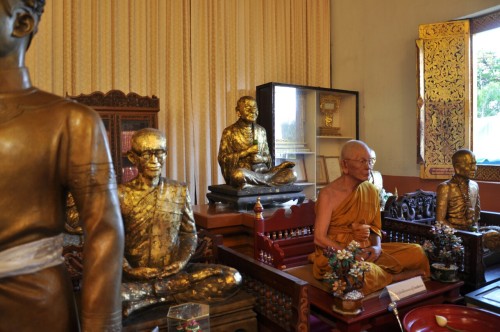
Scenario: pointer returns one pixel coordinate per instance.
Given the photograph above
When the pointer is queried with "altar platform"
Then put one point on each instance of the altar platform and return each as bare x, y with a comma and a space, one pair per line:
245, 199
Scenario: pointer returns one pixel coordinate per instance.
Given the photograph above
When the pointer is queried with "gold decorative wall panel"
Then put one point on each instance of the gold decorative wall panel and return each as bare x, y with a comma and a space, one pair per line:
443, 103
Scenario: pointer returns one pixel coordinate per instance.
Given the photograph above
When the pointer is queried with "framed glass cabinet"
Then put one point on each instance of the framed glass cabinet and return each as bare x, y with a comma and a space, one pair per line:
308, 125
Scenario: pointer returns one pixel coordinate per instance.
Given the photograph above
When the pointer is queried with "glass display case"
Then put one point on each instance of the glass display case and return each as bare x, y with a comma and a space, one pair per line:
122, 115
189, 317
308, 125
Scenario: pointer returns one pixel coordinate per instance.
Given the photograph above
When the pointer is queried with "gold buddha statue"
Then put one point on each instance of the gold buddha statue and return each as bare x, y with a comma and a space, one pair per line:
244, 156
160, 236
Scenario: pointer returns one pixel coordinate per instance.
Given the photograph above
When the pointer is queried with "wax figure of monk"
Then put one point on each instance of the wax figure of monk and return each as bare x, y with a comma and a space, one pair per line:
160, 236
244, 156
348, 209
49, 146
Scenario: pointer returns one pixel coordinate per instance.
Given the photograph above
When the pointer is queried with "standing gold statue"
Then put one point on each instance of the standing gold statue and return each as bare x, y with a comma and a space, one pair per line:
244, 156
458, 198
160, 236
49, 146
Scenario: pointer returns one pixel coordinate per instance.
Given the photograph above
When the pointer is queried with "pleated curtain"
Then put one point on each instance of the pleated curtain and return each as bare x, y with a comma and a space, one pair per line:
197, 56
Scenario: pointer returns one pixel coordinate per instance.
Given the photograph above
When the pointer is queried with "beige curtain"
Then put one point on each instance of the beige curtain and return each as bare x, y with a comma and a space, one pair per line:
197, 56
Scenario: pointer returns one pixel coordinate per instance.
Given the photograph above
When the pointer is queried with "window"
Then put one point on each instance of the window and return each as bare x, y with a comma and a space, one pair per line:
486, 95
458, 92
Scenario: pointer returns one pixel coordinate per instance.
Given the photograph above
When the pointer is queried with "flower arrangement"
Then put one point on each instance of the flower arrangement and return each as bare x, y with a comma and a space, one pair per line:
445, 248
190, 326
347, 274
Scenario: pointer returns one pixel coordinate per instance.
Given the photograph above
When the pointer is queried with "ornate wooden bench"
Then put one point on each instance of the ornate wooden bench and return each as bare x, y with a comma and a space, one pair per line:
282, 301
419, 207
408, 218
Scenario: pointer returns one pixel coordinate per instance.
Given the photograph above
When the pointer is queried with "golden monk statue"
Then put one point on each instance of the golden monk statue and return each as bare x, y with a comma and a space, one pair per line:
458, 198
347, 209
160, 236
50, 146
244, 156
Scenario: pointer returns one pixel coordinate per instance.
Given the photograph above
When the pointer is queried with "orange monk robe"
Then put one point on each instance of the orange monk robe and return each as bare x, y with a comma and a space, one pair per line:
363, 206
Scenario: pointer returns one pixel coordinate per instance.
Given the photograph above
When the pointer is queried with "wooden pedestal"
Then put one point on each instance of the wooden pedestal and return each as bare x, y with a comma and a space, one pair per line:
235, 227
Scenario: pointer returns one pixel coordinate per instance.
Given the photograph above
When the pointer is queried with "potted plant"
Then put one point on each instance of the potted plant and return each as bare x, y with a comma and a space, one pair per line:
445, 252
347, 277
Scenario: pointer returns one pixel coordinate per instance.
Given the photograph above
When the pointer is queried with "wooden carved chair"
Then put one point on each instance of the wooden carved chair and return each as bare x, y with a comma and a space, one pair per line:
419, 206
285, 240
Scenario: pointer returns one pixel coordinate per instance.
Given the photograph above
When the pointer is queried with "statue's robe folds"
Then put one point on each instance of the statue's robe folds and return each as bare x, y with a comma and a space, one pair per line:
239, 171
363, 206
453, 208
160, 231
159, 224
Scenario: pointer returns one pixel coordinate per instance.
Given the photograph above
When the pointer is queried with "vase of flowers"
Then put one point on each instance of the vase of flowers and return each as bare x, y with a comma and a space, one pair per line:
346, 278
445, 252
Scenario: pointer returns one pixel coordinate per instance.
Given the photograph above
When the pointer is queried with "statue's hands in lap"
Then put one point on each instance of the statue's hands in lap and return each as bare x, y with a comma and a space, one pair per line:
258, 159
252, 150
371, 254
141, 273
361, 232
170, 270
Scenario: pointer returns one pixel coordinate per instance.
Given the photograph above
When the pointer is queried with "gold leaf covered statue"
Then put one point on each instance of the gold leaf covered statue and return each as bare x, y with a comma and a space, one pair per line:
458, 198
160, 236
458, 203
244, 156
49, 146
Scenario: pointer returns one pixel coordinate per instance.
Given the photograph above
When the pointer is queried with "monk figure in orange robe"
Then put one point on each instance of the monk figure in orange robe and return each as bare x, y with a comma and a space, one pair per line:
348, 209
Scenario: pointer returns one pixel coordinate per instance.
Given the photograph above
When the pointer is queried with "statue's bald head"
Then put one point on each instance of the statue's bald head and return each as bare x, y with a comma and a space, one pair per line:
352, 148
149, 139
461, 155
242, 101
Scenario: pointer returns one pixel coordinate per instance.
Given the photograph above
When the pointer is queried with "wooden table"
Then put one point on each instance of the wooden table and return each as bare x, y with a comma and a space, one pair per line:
375, 316
487, 297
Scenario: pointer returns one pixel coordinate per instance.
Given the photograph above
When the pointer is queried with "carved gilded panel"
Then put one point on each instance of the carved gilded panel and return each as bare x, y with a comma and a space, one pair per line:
443, 103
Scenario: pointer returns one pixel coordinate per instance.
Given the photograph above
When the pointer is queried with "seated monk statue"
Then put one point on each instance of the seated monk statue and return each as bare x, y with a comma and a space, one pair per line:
244, 156
348, 209
457, 199
160, 236
458, 202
